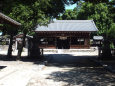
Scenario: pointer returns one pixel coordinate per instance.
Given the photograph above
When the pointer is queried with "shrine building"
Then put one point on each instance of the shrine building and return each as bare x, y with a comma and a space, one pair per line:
65, 34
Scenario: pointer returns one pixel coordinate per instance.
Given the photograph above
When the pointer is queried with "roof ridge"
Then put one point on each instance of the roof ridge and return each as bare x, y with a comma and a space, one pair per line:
69, 25
9, 19
72, 21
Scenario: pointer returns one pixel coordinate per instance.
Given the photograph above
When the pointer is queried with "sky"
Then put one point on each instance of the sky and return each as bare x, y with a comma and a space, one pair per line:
70, 6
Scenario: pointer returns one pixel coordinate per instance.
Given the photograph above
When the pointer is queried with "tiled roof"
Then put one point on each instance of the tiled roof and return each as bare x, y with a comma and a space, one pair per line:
8, 19
69, 25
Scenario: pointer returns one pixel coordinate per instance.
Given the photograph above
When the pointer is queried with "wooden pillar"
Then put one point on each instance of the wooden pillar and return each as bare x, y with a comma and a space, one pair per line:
46, 45
87, 41
70, 42
56, 42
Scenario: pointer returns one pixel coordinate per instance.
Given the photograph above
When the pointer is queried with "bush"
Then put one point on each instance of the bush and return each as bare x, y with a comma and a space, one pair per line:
112, 46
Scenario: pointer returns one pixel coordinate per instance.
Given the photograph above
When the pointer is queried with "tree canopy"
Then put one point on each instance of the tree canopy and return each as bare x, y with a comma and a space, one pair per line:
30, 13
68, 15
93, 1
102, 14
99, 13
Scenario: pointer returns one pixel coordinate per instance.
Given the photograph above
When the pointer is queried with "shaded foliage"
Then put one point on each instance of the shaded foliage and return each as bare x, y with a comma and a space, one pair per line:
111, 32
30, 13
99, 13
68, 15
103, 15
93, 1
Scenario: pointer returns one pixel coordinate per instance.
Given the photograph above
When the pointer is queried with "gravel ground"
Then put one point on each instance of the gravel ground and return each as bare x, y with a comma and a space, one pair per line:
61, 70
4, 48
82, 73
80, 76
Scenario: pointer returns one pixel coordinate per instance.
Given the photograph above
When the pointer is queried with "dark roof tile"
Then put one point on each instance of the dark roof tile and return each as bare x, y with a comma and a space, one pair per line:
69, 25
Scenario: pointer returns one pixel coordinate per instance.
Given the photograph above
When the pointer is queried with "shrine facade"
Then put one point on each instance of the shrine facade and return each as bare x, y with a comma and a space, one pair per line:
65, 34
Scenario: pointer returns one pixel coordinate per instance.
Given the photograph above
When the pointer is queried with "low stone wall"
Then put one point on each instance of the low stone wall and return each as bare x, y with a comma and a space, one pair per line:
70, 51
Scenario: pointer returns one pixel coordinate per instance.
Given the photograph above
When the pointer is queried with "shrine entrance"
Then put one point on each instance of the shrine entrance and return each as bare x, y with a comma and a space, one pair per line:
70, 40
63, 43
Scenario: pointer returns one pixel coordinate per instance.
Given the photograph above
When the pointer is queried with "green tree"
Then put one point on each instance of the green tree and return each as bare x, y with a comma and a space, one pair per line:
68, 15
33, 12
11, 31
29, 17
111, 32
100, 13
103, 16
92, 1
71, 14
112, 9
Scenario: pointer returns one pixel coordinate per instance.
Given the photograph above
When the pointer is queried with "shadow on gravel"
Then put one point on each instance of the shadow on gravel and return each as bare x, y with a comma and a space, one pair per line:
4, 58
79, 71
23, 59
83, 77
2, 67
69, 60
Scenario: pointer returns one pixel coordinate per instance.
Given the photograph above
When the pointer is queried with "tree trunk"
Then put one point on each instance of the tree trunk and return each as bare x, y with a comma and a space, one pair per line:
106, 51
34, 51
9, 55
21, 45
